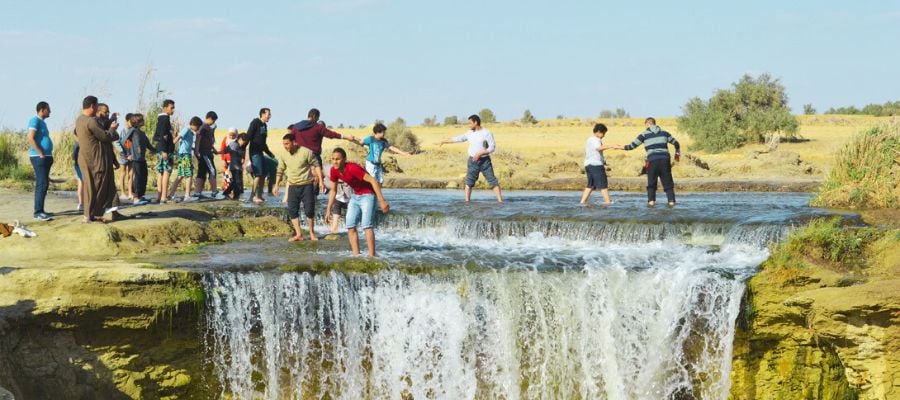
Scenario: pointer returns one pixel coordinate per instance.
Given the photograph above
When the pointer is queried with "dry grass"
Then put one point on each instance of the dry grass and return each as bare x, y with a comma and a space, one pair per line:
866, 172
549, 149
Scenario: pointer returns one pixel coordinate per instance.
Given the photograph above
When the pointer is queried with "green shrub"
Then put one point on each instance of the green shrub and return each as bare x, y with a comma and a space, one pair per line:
752, 111
12, 145
487, 116
887, 109
825, 240
528, 118
451, 120
401, 136
866, 172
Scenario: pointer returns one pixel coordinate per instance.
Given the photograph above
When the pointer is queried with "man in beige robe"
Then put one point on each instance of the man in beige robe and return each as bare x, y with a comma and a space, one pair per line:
96, 161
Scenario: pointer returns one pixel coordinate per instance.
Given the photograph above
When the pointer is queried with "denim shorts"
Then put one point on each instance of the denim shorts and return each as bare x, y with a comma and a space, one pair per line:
483, 166
257, 165
376, 170
361, 211
78, 172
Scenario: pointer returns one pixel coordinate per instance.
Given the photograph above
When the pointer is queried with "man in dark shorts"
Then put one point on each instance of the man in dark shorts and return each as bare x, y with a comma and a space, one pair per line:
206, 148
595, 165
257, 134
481, 146
300, 168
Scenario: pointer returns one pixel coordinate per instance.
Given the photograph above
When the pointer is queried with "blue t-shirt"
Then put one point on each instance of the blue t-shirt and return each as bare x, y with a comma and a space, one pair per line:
41, 137
376, 147
186, 144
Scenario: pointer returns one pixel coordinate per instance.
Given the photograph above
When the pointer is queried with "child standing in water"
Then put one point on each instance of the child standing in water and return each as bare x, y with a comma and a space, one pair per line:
377, 144
595, 165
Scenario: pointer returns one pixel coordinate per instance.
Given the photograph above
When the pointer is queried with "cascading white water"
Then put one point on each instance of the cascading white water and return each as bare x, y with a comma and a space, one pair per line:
651, 320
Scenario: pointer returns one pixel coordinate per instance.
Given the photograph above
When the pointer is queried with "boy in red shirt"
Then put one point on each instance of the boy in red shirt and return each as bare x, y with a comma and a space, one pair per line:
361, 210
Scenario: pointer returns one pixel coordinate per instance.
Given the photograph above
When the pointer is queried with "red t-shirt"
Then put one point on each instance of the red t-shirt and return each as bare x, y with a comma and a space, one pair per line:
353, 174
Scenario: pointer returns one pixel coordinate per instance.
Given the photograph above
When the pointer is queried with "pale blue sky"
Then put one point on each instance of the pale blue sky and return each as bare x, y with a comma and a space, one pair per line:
360, 60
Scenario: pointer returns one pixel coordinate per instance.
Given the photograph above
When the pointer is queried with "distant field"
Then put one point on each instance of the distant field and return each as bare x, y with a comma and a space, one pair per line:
553, 150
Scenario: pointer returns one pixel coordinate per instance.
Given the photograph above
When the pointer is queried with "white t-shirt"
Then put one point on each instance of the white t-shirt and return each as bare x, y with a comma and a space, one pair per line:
477, 140
592, 156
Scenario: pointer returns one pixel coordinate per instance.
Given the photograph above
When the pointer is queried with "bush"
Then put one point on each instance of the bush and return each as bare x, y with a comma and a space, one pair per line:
451, 120
754, 110
430, 121
866, 172
887, 109
824, 240
487, 116
401, 136
12, 144
808, 109
528, 118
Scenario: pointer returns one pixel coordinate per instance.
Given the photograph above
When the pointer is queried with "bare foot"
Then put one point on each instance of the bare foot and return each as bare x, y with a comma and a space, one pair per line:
313, 238
295, 238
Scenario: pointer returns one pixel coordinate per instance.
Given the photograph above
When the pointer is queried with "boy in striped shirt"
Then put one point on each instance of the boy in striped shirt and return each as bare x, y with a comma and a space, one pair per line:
656, 142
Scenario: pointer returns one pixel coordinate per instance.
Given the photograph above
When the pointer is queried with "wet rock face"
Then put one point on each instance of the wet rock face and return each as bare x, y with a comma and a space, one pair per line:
61, 344
823, 331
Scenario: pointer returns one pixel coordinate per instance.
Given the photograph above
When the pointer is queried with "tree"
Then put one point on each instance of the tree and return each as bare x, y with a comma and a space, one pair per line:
527, 118
487, 116
752, 111
401, 136
606, 114
430, 121
808, 109
451, 120
560, 116
621, 113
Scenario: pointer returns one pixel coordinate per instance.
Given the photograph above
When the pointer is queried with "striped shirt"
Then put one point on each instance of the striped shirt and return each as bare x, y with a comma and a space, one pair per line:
656, 142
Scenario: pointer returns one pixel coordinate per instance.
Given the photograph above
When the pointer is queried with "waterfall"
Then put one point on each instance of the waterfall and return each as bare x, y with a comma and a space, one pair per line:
715, 233
640, 321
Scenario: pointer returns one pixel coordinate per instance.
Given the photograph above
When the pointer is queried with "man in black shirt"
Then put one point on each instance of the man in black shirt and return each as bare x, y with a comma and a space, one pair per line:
257, 134
164, 142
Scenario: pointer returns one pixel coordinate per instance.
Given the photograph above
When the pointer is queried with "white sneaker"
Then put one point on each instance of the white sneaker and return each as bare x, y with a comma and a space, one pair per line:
188, 199
22, 231
111, 210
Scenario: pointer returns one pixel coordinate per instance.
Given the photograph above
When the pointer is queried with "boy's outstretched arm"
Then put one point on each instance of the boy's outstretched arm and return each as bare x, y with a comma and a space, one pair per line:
395, 149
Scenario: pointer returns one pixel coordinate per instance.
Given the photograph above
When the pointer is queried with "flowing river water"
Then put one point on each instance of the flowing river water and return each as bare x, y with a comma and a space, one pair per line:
538, 298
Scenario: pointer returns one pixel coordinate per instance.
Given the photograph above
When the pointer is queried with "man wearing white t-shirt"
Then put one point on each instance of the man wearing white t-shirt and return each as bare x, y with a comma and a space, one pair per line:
595, 165
481, 145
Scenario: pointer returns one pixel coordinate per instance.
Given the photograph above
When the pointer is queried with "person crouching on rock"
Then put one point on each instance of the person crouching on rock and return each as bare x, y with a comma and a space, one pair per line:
302, 169
361, 209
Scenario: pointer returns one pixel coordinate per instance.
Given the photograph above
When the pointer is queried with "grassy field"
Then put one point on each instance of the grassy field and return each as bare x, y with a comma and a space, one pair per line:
553, 151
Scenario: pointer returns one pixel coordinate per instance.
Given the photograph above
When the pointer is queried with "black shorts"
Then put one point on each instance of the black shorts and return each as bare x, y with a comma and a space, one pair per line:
206, 167
339, 208
596, 177
305, 194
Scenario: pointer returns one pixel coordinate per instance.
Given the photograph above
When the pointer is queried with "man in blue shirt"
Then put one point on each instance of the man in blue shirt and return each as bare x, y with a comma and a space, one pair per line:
41, 155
